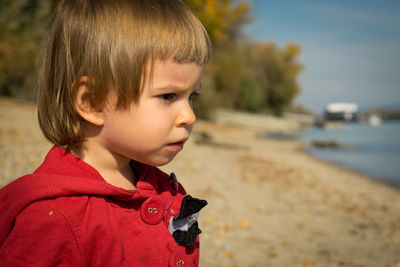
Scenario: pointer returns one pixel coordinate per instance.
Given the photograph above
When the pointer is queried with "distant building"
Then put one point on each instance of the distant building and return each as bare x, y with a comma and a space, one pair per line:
341, 112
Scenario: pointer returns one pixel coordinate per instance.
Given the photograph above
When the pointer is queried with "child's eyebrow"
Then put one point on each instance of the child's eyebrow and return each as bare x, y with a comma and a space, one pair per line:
169, 87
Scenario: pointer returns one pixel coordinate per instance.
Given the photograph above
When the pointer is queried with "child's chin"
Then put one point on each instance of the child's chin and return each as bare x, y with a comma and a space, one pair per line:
161, 161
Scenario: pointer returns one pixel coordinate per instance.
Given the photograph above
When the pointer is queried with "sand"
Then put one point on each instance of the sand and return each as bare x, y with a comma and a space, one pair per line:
270, 204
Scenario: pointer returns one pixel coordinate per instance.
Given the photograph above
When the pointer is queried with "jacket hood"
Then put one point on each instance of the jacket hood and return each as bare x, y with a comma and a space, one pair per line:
63, 174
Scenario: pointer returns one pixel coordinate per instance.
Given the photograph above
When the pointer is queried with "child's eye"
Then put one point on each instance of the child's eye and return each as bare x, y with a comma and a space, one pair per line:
167, 97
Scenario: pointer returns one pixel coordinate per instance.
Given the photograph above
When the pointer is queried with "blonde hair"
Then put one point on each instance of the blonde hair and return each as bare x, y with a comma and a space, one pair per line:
111, 42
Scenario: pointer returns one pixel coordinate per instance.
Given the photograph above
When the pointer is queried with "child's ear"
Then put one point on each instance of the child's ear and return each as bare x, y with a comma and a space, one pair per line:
83, 103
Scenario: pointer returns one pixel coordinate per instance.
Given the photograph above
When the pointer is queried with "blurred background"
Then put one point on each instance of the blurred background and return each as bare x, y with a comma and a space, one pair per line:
288, 79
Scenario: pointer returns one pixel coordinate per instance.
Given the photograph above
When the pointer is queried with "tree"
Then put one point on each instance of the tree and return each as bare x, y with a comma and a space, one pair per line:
22, 27
223, 20
277, 70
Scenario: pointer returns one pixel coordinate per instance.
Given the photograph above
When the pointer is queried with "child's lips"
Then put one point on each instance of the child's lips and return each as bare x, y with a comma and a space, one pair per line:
177, 146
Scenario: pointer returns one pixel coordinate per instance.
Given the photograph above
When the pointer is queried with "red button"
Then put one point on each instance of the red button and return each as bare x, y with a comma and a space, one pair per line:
179, 259
152, 211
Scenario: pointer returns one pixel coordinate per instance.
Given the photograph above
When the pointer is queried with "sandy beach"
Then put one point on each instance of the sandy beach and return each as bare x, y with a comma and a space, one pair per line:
270, 204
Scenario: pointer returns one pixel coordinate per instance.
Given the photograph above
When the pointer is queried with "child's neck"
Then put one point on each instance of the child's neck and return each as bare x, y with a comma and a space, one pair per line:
124, 179
115, 170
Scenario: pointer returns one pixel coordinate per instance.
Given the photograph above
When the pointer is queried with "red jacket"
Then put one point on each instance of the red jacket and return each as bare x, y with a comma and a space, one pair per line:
66, 214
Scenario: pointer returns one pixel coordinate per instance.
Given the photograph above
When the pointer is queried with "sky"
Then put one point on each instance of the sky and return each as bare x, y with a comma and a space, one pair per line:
351, 48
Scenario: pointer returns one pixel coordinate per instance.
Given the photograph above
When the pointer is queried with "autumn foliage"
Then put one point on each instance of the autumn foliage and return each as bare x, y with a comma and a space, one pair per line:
252, 76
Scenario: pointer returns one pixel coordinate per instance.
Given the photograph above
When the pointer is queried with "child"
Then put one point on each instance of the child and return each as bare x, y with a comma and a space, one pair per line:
115, 97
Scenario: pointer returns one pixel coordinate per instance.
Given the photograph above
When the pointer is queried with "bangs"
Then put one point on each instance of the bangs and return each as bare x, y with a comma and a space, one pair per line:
184, 39
151, 30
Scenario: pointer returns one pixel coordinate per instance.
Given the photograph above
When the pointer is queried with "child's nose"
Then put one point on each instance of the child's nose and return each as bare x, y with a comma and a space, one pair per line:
186, 116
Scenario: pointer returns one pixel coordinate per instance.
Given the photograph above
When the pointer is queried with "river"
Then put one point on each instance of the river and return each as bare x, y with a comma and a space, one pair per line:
374, 151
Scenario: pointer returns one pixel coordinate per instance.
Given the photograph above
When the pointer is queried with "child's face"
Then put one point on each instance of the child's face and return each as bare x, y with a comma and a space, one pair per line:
155, 129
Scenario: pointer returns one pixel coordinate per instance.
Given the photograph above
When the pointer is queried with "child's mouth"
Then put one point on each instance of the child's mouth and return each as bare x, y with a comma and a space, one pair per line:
178, 146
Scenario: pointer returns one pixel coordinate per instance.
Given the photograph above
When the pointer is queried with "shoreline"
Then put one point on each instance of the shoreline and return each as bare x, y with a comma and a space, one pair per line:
270, 202
289, 128
373, 178
354, 154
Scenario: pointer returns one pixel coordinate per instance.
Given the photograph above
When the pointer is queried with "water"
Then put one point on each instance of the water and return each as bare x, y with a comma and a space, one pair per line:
372, 150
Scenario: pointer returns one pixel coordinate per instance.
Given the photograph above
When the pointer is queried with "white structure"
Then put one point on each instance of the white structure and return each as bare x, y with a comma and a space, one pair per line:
374, 120
341, 111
